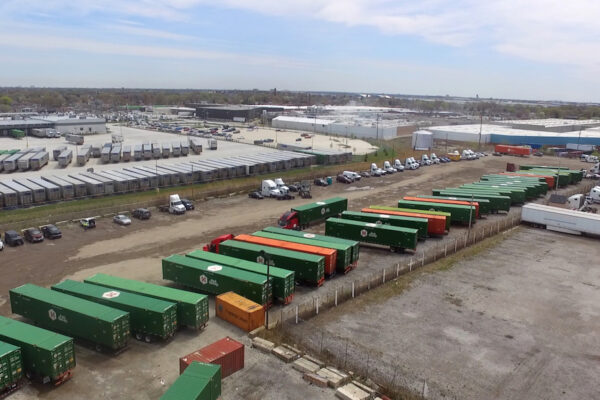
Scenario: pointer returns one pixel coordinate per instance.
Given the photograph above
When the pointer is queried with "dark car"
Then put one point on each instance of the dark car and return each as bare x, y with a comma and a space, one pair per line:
365, 174
188, 204
255, 195
12, 238
343, 179
285, 196
496, 154
51, 231
33, 235
141, 213
293, 187
320, 182
538, 154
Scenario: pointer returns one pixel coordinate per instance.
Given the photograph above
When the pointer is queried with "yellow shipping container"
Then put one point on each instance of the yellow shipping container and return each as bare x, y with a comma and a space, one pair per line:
239, 311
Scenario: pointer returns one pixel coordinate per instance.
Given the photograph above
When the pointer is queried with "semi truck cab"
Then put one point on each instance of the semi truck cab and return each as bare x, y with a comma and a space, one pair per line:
289, 220
213, 246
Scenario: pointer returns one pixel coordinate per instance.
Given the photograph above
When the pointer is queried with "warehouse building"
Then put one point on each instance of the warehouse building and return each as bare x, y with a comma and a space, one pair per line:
63, 124
488, 133
361, 128
551, 124
238, 113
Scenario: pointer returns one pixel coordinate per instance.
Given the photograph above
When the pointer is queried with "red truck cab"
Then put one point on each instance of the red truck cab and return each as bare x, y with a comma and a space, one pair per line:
289, 220
213, 246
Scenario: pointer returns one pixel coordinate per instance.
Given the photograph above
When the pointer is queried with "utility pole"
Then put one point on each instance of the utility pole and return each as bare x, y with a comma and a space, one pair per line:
267, 259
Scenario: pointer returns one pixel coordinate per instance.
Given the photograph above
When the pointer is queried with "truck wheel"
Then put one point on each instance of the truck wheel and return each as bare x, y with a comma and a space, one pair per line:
148, 339
139, 336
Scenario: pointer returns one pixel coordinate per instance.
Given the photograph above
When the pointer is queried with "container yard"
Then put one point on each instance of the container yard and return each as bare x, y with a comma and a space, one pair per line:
129, 260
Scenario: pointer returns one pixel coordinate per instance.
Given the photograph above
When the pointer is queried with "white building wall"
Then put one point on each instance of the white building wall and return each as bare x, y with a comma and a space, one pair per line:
82, 128
333, 128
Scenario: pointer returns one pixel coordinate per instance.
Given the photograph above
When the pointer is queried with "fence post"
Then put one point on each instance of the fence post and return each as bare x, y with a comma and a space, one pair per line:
352, 289
336, 297
455, 243
384, 275
423, 258
445, 249
397, 270
410, 265
317, 306
296, 315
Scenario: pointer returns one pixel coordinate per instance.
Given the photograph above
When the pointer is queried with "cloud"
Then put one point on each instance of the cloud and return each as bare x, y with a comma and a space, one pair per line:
56, 42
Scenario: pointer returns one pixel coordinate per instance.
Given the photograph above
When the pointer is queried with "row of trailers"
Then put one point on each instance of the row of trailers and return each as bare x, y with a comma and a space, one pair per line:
115, 152
22, 160
27, 192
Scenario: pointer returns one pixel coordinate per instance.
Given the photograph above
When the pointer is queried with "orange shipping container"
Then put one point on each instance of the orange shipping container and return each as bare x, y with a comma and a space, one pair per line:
329, 254
517, 150
238, 310
444, 201
436, 224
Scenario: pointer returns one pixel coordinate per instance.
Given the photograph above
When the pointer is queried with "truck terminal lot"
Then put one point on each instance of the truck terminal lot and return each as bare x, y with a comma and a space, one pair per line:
135, 252
518, 321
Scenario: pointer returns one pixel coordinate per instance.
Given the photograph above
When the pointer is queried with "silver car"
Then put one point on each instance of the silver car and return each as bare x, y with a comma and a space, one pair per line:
122, 219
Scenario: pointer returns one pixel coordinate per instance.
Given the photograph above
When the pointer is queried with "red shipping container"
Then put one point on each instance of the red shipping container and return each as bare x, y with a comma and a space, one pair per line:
228, 353
517, 150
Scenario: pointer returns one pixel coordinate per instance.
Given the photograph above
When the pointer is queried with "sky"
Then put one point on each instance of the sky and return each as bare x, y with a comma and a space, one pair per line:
534, 49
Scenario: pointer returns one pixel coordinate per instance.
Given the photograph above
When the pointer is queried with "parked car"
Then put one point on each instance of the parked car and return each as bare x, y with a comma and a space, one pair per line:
122, 219
1, 245
12, 238
33, 235
51, 231
284, 196
496, 154
256, 195
538, 154
320, 182
87, 223
365, 174
188, 204
343, 179
141, 213
293, 187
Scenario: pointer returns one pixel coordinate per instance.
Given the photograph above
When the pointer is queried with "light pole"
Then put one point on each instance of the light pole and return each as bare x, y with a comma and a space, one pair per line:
267, 259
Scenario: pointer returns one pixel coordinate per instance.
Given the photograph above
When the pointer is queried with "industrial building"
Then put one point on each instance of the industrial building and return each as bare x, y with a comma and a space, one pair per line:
361, 128
488, 133
238, 113
551, 124
63, 124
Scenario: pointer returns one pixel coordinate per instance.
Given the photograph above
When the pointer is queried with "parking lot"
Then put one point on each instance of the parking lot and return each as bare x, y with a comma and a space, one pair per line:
145, 370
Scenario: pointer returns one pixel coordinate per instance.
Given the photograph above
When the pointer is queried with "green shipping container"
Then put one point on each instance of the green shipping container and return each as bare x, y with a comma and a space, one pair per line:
420, 224
516, 196
147, 316
385, 235
352, 244
484, 204
497, 202
101, 325
308, 268
575, 175
11, 366
344, 253
284, 281
512, 197
412, 210
216, 279
523, 192
192, 308
532, 188
320, 210
460, 213
47, 356
199, 381
563, 176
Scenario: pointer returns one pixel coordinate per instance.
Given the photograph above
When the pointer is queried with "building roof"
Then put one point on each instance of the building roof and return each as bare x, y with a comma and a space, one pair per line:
306, 120
229, 107
551, 122
489, 129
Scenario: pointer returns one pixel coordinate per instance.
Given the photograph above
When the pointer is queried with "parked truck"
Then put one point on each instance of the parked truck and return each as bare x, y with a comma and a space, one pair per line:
397, 238
301, 217
269, 188
212, 144
175, 205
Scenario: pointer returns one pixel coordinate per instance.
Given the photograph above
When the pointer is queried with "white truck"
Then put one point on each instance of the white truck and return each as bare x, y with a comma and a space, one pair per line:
595, 194
398, 165
355, 176
560, 219
425, 160
281, 186
269, 189
388, 167
466, 155
175, 205
212, 144
376, 171
589, 158
434, 159
411, 163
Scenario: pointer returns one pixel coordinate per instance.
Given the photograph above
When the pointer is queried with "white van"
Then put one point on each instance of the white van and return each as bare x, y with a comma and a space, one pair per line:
352, 175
